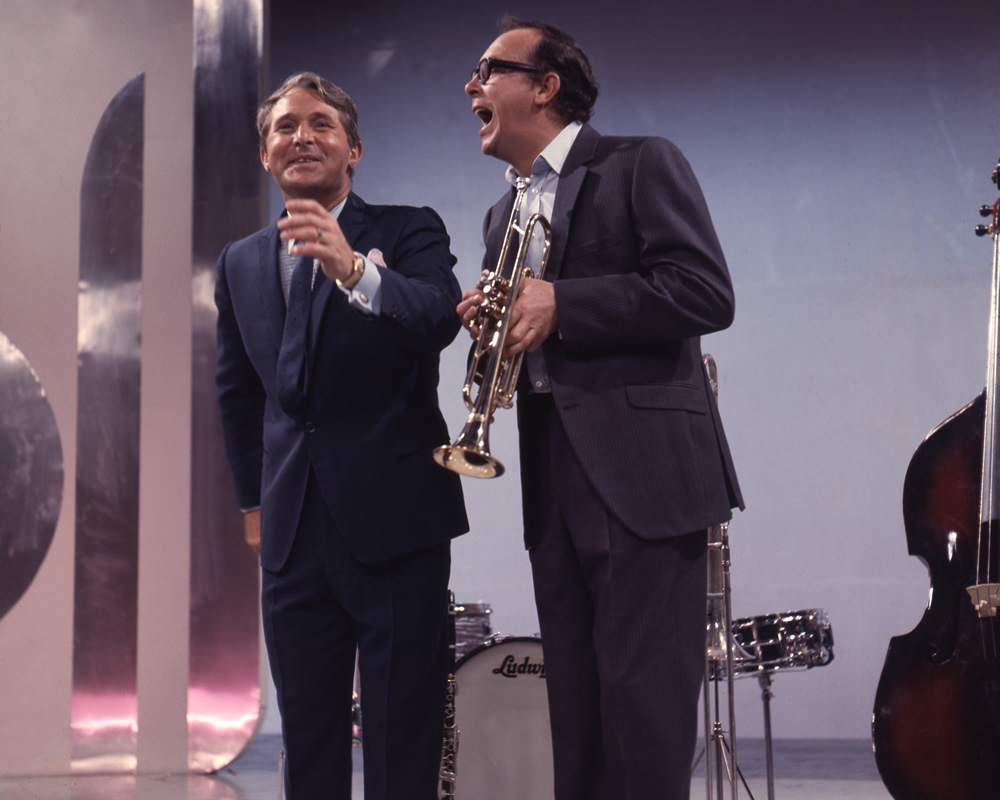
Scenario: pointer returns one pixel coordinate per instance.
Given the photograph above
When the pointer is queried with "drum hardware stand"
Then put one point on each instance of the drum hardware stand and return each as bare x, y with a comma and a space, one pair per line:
764, 678
765, 695
720, 649
721, 653
765, 664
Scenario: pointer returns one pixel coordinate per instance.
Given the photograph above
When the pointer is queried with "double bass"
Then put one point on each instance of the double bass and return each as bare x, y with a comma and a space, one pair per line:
936, 721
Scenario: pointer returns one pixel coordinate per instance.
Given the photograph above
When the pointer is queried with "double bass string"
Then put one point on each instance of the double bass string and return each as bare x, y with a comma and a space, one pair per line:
985, 542
989, 619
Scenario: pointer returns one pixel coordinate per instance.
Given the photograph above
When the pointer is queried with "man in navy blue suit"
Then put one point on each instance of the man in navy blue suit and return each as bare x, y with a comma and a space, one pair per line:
329, 415
624, 462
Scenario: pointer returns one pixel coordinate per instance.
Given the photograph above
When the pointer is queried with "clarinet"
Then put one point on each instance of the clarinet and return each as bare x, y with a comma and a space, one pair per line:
449, 749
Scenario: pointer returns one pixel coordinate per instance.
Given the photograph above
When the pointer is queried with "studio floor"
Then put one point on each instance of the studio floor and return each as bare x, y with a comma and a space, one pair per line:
814, 769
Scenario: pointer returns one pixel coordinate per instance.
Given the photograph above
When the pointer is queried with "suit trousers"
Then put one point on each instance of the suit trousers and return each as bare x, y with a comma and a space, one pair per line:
317, 610
623, 624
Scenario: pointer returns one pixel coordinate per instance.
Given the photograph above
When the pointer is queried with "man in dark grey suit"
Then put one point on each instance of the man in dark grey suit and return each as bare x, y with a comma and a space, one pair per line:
330, 413
624, 463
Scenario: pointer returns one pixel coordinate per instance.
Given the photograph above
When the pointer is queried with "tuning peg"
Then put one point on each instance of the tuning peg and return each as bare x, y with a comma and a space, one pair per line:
986, 211
982, 230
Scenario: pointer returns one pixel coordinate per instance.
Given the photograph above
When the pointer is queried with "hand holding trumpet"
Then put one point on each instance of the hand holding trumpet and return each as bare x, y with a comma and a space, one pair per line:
508, 313
533, 318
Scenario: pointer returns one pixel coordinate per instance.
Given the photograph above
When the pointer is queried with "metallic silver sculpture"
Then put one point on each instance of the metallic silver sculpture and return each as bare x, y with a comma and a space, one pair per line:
230, 201
104, 713
31, 475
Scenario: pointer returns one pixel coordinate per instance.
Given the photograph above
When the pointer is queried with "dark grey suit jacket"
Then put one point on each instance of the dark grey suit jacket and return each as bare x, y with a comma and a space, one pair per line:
639, 277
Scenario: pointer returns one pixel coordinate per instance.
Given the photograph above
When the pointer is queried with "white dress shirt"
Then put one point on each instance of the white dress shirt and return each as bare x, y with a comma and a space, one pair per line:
540, 199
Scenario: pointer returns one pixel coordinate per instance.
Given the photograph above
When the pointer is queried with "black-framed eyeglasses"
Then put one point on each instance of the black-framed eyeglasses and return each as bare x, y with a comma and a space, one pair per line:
485, 68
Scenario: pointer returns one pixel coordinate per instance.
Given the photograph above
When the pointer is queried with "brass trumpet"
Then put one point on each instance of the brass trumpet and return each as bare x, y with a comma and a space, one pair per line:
496, 376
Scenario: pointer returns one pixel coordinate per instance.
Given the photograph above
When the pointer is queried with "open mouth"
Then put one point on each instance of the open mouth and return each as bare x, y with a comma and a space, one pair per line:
485, 115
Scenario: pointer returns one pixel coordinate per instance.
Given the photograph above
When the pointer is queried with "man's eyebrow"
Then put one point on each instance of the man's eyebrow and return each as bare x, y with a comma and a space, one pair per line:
311, 117
323, 115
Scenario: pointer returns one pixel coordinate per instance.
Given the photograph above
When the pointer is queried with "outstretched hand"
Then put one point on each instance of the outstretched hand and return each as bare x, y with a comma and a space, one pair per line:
317, 234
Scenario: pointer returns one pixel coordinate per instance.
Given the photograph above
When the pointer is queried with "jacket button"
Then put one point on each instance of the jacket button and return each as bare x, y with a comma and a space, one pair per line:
310, 427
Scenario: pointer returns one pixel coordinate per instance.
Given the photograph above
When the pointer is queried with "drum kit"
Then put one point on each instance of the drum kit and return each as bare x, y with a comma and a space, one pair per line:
497, 697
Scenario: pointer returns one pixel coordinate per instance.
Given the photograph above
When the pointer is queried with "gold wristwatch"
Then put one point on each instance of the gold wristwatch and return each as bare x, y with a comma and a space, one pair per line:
359, 269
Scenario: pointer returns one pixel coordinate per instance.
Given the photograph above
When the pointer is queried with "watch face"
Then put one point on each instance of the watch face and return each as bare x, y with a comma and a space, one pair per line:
356, 272
32, 465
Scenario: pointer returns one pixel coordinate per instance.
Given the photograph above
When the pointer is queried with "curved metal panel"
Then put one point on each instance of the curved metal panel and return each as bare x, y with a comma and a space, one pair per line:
31, 466
104, 703
224, 692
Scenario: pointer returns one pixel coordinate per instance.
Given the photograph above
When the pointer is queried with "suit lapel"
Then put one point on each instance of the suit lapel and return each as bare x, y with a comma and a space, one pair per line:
352, 218
497, 226
352, 224
574, 171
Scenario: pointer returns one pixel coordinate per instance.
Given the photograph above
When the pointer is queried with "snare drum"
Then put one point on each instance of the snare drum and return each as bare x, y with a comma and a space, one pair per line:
502, 713
793, 640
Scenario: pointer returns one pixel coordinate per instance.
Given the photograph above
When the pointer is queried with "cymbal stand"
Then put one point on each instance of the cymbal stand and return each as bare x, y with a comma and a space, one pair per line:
720, 649
720, 655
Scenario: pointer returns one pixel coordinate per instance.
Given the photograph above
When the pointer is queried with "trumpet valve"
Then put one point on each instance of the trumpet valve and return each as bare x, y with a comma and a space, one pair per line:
486, 277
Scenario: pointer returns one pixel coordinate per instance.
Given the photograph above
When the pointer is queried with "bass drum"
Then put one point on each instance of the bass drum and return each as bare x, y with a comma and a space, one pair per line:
502, 714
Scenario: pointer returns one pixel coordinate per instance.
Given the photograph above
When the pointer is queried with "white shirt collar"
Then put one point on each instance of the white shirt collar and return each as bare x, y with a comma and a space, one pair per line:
554, 155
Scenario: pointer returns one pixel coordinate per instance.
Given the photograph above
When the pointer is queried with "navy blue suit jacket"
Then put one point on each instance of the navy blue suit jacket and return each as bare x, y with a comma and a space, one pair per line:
371, 416
639, 276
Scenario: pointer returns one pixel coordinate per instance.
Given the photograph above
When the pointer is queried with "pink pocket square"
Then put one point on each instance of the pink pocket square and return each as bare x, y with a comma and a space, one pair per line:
375, 256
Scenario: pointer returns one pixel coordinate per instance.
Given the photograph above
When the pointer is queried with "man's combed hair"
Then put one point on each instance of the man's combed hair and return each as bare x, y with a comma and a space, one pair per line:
330, 93
560, 53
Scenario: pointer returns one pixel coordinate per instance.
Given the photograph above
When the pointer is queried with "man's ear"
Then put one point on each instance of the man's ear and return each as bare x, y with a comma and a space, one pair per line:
547, 88
355, 155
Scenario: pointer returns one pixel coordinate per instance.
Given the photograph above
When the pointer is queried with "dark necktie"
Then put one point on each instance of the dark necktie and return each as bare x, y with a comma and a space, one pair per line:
291, 377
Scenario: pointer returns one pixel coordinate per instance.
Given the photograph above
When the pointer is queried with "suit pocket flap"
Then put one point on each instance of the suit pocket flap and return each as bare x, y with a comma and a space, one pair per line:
677, 396
595, 245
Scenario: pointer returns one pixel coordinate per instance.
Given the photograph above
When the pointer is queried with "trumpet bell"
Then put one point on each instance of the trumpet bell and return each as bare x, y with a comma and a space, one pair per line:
470, 454
468, 461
